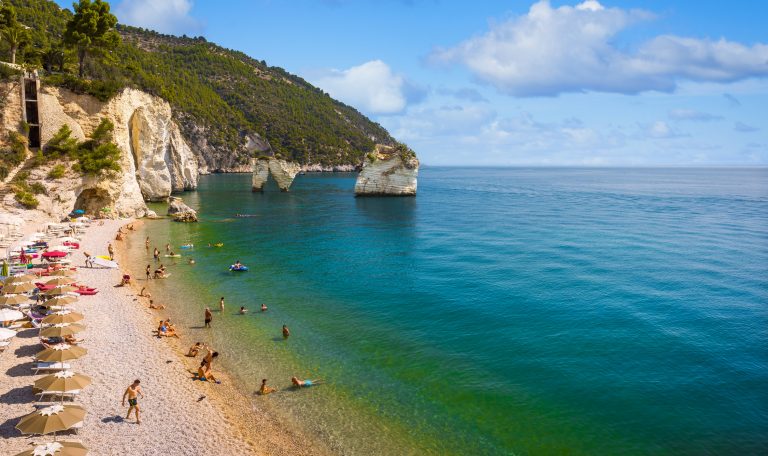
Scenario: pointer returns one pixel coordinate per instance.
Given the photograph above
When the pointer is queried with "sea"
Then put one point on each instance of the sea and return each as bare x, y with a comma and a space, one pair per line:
502, 311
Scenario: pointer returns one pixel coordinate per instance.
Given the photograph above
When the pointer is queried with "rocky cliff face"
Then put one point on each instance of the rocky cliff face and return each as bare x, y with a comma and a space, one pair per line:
283, 172
180, 211
388, 172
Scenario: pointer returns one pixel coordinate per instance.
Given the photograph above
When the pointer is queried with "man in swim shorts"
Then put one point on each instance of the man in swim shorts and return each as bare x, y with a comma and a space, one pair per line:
208, 317
132, 393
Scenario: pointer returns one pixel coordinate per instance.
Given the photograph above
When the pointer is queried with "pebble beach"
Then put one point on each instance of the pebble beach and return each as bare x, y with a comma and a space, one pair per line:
180, 415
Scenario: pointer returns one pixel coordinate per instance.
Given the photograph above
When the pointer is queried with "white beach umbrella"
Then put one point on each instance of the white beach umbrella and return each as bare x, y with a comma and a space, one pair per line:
10, 315
6, 333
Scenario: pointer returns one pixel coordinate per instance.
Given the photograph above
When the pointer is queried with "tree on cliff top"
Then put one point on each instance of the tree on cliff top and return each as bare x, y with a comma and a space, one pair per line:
91, 30
12, 31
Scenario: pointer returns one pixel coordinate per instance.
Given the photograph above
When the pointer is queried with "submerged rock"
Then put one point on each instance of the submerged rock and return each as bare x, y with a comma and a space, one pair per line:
180, 211
388, 171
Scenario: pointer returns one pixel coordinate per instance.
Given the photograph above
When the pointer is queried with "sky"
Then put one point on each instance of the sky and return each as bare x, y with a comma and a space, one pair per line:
509, 83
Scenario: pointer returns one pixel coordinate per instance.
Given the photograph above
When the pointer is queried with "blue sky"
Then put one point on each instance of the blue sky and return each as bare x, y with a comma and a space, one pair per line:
517, 82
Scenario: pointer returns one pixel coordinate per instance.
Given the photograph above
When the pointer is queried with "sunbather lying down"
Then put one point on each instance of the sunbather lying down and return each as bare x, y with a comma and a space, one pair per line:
305, 383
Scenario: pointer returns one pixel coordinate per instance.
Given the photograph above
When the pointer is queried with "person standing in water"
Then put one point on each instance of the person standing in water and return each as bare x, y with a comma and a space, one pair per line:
263, 307
208, 317
286, 333
146, 244
149, 272
132, 393
167, 248
221, 304
156, 254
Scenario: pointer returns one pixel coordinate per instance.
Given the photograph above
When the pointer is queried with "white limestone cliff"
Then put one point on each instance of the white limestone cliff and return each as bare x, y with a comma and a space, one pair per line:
388, 171
282, 171
155, 159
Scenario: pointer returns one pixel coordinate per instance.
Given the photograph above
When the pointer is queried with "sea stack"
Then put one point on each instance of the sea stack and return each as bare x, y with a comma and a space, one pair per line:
180, 211
388, 171
282, 171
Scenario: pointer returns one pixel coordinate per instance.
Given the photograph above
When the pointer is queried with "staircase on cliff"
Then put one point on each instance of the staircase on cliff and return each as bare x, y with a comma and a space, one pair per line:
29, 91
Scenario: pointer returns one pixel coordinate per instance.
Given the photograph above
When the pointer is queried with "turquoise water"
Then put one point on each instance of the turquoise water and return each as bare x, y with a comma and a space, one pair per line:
502, 311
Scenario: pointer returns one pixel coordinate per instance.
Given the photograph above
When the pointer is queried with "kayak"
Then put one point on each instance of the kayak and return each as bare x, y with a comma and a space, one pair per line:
240, 268
173, 256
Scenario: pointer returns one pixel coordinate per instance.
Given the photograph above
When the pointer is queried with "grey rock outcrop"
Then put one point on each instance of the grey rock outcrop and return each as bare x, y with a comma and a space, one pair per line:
180, 211
388, 171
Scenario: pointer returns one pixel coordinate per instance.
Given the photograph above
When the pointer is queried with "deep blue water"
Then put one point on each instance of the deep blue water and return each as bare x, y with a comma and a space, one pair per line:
501, 311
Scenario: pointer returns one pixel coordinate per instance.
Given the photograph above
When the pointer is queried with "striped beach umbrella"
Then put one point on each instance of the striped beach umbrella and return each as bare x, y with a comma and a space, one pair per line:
62, 317
19, 279
13, 299
23, 287
61, 352
60, 281
51, 419
61, 330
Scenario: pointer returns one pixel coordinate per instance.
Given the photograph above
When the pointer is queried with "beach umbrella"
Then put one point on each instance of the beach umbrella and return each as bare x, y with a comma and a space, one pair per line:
61, 352
61, 330
60, 281
62, 317
59, 291
56, 449
62, 273
10, 315
51, 419
15, 288
54, 254
60, 301
19, 279
13, 299
64, 382
6, 333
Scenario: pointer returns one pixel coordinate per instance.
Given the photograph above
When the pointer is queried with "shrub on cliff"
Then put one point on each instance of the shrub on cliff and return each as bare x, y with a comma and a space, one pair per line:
98, 154
26, 199
57, 172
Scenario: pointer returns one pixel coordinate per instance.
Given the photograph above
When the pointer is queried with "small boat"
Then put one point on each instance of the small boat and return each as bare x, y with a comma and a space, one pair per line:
241, 268
187, 246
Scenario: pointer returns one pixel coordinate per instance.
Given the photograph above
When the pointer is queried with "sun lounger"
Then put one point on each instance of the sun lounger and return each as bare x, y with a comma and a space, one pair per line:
50, 367
71, 395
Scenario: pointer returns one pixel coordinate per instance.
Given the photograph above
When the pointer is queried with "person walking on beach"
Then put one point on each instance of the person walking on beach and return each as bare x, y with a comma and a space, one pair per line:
149, 272
132, 393
221, 304
286, 333
111, 251
208, 317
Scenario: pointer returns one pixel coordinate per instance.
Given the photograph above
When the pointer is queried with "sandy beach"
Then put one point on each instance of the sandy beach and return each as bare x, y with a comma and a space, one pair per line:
180, 416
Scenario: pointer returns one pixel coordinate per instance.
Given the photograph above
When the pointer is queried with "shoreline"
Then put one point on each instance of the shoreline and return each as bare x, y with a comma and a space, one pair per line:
263, 432
179, 415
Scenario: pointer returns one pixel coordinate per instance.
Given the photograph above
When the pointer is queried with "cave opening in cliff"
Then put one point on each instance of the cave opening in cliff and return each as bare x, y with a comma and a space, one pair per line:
92, 200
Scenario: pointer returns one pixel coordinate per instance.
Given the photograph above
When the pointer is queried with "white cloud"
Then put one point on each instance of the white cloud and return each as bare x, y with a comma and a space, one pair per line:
165, 16
741, 127
372, 87
660, 130
571, 49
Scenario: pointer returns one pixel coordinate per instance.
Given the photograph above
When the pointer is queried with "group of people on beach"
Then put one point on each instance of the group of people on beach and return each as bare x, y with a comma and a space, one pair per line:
167, 329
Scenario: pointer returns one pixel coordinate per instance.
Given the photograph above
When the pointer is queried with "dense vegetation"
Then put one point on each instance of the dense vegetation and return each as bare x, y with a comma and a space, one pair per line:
220, 96
95, 155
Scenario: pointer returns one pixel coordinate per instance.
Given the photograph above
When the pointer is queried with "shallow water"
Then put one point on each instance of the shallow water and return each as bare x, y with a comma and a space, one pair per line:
502, 311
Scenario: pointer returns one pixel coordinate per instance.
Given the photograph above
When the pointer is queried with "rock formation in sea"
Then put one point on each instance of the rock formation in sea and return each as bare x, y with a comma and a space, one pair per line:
388, 171
180, 211
282, 171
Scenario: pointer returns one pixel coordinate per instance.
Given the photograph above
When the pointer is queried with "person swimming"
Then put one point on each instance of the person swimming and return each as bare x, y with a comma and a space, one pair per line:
305, 383
243, 310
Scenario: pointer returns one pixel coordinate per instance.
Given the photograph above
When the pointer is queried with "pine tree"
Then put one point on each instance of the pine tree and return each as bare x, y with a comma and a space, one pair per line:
91, 30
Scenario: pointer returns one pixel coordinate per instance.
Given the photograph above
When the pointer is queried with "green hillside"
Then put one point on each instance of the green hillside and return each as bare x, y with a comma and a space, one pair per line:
219, 95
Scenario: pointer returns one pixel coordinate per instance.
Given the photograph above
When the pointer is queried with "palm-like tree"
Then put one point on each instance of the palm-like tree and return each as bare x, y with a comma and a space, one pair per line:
14, 35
